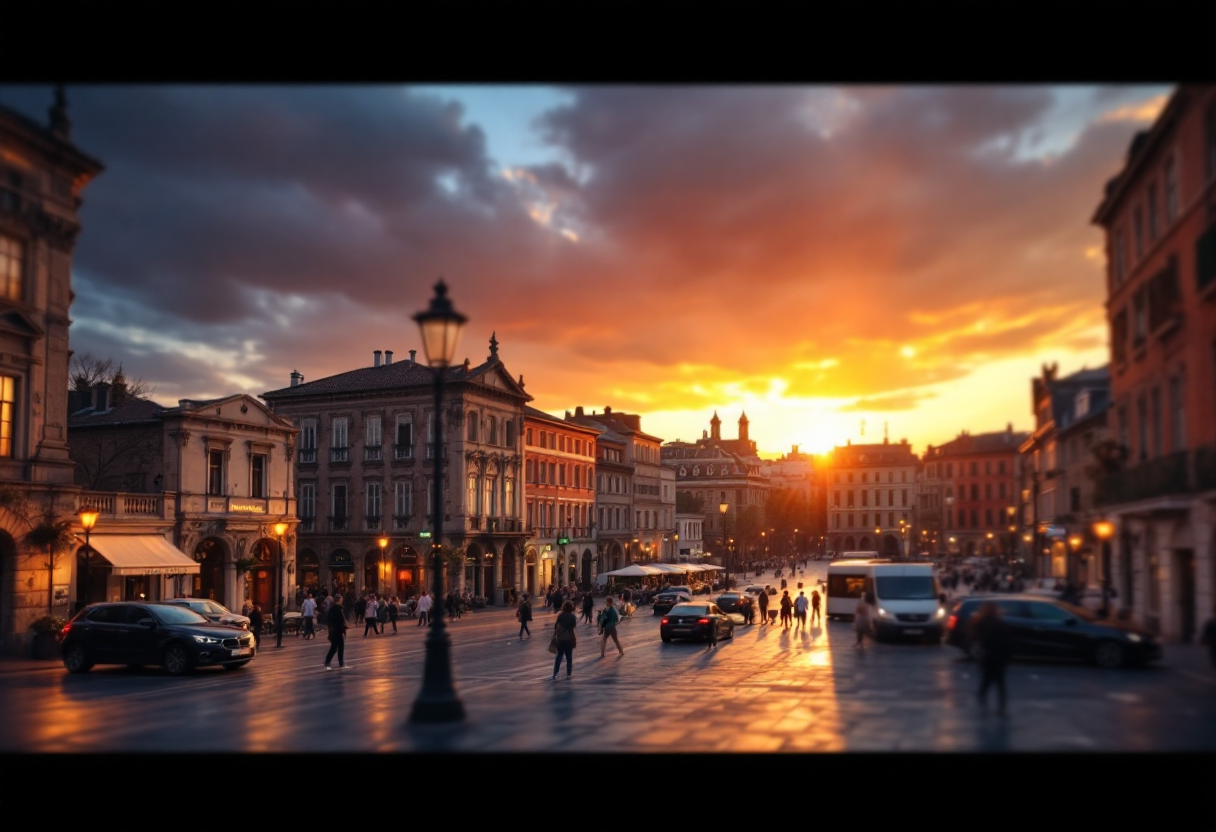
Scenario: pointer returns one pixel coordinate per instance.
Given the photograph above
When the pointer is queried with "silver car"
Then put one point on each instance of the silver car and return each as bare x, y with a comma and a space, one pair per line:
212, 611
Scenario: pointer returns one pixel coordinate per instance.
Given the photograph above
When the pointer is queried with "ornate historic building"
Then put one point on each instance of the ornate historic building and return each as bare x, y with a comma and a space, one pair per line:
42, 177
1159, 215
559, 488
364, 472
872, 498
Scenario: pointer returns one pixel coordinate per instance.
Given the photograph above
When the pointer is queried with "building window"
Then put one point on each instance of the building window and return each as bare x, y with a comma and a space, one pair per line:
404, 447
490, 501
508, 497
1119, 257
257, 476
8, 401
1142, 427
1138, 232
509, 430
215, 472
372, 506
471, 496
528, 436
493, 429
1153, 229
1158, 445
472, 436
308, 440
12, 263
338, 518
308, 505
372, 438
404, 502
339, 448
1171, 189
1178, 412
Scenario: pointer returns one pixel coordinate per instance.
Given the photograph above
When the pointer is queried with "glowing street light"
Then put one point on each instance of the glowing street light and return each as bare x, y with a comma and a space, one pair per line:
280, 529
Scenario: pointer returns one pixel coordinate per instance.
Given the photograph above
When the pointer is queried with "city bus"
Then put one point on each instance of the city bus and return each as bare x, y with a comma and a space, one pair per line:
847, 581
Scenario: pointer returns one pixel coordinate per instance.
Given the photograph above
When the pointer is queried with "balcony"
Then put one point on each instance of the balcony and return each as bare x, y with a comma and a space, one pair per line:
339, 454
308, 524
1184, 472
308, 456
338, 524
116, 504
373, 454
401, 522
403, 452
371, 523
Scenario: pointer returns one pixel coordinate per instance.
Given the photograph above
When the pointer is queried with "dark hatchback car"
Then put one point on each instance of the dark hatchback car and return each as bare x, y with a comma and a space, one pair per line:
1044, 628
172, 636
693, 620
664, 601
735, 602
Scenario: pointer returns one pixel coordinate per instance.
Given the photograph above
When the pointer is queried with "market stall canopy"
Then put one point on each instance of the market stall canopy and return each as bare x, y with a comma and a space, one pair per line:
633, 570
143, 554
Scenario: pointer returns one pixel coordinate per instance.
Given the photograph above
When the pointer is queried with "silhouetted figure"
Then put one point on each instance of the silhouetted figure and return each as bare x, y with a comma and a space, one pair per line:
991, 633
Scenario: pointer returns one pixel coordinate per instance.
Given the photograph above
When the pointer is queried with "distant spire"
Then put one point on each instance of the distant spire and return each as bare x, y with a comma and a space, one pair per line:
61, 127
493, 346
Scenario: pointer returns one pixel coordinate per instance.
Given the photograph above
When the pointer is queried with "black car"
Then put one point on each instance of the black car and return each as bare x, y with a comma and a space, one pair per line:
664, 601
175, 637
212, 611
693, 620
735, 602
1045, 628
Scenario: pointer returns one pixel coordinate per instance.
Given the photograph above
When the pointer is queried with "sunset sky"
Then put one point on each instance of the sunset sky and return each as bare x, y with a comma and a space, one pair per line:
816, 256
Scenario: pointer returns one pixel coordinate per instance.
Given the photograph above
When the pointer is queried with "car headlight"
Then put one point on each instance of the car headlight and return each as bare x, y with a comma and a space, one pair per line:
1133, 637
206, 640
941, 612
882, 613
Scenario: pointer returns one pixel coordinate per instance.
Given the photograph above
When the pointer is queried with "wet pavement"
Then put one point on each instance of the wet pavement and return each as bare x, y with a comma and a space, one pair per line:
766, 690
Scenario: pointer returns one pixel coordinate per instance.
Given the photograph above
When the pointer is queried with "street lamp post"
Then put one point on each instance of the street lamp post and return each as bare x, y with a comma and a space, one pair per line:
437, 701
723, 507
279, 530
88, 519
383, 546
1104, 529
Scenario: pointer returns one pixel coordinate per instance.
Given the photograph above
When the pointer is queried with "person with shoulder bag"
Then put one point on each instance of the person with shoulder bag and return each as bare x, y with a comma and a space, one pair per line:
564, 640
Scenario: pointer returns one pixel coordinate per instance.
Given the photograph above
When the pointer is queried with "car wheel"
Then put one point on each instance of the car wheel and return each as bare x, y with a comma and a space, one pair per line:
976, 651
177, 660
1109, 654
76, 659
236, 665
731, 632
667, 639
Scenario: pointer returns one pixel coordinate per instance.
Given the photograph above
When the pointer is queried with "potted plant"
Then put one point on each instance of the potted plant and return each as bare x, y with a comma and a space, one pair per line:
46, 637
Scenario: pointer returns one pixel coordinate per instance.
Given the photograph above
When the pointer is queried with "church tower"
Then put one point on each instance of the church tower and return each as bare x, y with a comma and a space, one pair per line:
743, 428
715, 427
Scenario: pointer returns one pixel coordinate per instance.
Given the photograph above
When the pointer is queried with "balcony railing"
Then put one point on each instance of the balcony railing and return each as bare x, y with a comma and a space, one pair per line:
1184, 472
401, 522
307, 524
373, 454
338, 524
403, 451
339, 454
118, 504
371, 523
308, 456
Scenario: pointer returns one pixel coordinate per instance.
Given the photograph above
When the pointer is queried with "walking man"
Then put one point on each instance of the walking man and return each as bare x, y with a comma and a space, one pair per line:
424, 610
524, 614
800, 606
992, 635
608, 628
815, 616
588, 607
336, 624
787, 607
764, 606
308, 611
370, 610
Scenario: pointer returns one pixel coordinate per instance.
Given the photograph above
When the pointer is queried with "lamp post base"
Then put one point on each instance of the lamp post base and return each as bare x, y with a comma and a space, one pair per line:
437, 702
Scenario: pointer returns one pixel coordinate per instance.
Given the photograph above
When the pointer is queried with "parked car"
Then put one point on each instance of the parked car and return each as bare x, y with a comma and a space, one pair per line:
170, 635
734, 605
1044, 628
213, 611
667, 599
755, 590
694, 620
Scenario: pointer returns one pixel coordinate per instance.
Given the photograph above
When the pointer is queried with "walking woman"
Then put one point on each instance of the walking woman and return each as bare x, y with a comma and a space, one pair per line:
524, 614
563, 635
336, 624
608, 627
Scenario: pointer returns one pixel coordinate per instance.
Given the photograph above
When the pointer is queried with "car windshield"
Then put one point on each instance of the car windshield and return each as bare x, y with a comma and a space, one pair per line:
690, 609
174, 614
214, 608
906, 588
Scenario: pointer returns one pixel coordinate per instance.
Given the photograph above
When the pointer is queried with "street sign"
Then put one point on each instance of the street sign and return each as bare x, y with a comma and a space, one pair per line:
424, 534
562, 541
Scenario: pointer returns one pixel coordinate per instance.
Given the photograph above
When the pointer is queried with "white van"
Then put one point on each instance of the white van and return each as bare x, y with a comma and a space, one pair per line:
907, 601
847, 581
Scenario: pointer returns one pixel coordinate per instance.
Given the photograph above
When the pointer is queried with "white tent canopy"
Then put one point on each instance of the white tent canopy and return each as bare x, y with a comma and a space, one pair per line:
637, 570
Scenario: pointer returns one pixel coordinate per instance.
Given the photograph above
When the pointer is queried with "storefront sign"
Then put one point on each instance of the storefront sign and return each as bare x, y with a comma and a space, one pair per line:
253, 508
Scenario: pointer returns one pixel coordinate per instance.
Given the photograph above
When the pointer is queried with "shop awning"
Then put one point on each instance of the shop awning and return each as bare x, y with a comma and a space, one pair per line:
143, 554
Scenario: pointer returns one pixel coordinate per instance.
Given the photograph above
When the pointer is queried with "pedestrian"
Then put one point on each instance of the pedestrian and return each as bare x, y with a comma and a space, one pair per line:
308, 611
394, 610
588, 607
787, 607
711, 638
565, 639
862, 621
608, 628
382, 615
255, 624
424, 610
764, 606
991, 634
370, 607
524, 614
800, 607
1209, 638
815, 616
336, 624
749, 609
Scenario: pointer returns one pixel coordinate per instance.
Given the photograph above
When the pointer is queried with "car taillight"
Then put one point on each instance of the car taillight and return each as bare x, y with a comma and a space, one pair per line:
64, 632
950, 624
664, 621
703, 621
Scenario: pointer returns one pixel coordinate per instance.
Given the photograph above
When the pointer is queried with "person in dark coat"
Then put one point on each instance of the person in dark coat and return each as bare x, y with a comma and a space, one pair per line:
991, 633
336, 624
524, 614
255, 624
764, 606
588, 607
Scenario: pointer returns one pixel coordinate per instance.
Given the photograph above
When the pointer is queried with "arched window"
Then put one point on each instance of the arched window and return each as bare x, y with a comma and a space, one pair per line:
472, 426
472, 495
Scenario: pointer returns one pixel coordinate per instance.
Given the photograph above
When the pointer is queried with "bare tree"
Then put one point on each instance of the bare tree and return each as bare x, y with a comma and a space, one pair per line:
87, 370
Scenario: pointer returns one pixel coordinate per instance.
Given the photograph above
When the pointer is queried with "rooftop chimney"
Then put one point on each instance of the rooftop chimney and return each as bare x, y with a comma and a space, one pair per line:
375, 358
578, 411
607, 411
296, 378
388, 357
413, 361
